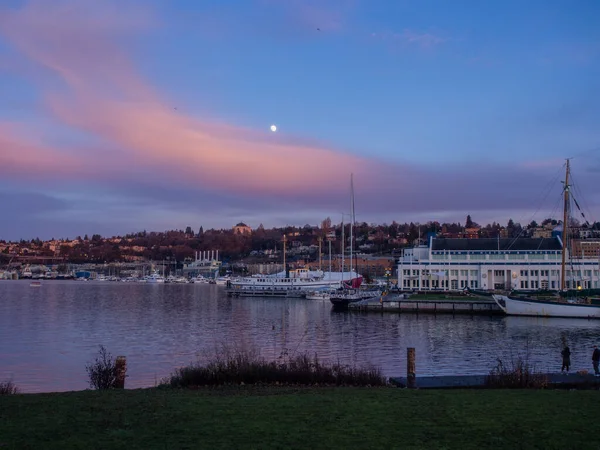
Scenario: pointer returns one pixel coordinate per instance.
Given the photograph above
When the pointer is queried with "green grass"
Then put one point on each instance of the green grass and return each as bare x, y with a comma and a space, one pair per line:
270, 417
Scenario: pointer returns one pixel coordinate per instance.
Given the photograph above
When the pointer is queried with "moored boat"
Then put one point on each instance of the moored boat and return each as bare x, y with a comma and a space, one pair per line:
526, 306
570, 303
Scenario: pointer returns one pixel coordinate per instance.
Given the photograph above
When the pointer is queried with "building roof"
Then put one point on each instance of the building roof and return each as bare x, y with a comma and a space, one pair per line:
242, 224
504, 244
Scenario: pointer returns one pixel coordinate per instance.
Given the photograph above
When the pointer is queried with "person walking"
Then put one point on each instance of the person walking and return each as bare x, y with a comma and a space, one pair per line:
566, 360
596, 360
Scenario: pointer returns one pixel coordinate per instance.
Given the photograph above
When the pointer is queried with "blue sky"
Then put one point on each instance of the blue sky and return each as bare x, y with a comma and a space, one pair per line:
119, 116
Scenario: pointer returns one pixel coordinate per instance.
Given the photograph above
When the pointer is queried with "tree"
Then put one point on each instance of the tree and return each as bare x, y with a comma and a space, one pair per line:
469, 223
532, 225
85, 238
200, 231
188, 231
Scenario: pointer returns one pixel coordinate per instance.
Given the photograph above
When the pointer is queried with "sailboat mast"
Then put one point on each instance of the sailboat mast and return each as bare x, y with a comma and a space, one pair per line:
343, 245
351, 219
565, 228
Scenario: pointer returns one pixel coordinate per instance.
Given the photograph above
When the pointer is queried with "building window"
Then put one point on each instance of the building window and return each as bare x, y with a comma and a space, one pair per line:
454, 273
473, 284
464, 273
463, 284
524, 273
524, 284
415, 272
553, 284
406, 272
454, 284
498, 273
473, 273
534, 273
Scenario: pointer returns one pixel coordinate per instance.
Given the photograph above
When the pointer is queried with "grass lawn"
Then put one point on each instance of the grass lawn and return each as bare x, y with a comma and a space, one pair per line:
268, 417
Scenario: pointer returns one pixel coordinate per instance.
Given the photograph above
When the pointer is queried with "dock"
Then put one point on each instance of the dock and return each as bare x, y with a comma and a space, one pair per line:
232, 292
466, 305
555, 380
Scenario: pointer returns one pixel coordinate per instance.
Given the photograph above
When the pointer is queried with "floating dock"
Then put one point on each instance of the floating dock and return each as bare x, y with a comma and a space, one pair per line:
232, 292
451, 305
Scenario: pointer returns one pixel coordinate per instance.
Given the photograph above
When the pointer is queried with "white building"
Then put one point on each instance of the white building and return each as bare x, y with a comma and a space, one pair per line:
519, 264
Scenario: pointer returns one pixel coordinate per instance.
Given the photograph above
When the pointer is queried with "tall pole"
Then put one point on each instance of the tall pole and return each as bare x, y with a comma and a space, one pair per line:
565, 228
284, 266
330, 259
320, 255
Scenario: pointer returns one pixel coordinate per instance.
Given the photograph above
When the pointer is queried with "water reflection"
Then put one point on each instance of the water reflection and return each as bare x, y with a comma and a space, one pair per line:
48, 334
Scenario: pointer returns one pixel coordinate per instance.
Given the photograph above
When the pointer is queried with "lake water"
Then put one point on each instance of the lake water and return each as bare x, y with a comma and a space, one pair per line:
48, 334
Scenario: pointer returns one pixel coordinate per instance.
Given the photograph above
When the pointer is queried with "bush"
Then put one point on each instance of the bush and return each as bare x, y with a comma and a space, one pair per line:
520, 374
8, 388
244, 367
102, 372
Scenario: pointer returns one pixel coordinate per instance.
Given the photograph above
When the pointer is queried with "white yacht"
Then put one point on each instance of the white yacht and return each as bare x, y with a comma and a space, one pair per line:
154, 278
299, 279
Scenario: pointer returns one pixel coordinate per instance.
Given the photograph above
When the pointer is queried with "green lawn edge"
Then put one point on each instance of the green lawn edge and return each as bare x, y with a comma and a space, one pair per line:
284, 417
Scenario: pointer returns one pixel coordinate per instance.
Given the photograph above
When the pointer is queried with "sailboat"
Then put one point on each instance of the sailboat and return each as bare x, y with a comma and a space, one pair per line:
350, 292
562, 306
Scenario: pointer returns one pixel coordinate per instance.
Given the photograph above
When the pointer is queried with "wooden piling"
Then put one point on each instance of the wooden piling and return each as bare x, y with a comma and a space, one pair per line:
121, 370
411, 378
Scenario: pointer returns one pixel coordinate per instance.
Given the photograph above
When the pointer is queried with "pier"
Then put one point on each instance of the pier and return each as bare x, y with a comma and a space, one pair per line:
554, 380
441, 305
232, 292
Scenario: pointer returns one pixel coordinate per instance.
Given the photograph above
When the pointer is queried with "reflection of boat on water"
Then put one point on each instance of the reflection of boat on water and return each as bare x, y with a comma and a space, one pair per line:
35, 284
569, 306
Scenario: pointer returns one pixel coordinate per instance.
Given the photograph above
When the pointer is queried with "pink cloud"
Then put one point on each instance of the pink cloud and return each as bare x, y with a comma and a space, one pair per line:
21, 156
101, 93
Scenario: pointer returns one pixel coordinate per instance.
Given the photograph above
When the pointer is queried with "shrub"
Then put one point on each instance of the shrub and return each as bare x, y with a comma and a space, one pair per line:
248, 368
520, 374
8, 388
102, 372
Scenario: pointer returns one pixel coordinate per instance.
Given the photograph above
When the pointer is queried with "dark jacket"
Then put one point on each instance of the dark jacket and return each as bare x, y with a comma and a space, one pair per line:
566, 354
596, 355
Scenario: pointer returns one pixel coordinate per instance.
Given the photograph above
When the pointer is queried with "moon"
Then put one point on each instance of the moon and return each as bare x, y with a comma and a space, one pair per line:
273, 128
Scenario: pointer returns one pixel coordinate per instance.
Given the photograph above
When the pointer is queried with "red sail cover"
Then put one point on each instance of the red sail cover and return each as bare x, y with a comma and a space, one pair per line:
354, 283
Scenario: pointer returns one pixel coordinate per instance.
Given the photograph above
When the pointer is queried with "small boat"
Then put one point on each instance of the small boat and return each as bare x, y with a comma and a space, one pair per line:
319, 295
35, 284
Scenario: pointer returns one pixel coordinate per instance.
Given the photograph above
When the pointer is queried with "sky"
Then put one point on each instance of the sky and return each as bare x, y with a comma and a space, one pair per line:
119, 116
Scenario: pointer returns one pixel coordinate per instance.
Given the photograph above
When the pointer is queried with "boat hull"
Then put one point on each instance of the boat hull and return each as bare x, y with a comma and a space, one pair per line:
539, 308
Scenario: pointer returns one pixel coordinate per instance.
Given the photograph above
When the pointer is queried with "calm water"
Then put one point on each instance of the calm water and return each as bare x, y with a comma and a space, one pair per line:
48, 334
